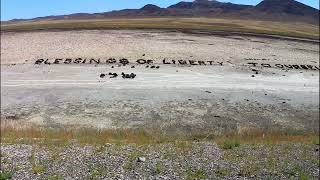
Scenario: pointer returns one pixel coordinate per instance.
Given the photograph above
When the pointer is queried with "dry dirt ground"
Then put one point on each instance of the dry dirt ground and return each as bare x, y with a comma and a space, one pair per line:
229, 95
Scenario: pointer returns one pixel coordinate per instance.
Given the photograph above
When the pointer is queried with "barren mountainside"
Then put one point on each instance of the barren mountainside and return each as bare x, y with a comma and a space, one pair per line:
274, 10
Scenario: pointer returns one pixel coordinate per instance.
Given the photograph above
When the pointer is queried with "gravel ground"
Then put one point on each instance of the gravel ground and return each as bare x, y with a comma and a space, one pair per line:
199, 160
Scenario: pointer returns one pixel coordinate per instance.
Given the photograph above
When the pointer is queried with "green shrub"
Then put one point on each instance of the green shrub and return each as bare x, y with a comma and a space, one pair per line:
196, 174
222, 172
4, 175
316, 141
230, 144
36, 169
158, 168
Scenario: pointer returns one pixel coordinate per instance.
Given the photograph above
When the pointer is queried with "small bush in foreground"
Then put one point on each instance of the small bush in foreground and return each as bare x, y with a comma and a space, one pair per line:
195, 174
4, 175
230, 144
316, 141
36, 169
222, 172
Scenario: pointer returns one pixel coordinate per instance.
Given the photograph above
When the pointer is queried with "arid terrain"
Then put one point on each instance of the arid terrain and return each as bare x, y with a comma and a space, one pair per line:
181, 86
224, 92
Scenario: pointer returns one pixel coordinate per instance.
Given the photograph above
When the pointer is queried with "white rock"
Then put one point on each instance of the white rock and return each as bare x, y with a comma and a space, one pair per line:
141, 159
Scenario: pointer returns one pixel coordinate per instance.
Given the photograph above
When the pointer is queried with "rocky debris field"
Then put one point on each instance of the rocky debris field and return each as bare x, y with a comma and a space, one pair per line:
180, 160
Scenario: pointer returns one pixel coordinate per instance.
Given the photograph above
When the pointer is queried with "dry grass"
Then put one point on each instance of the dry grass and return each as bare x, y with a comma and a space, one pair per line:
174, 23
256, 136
36, 135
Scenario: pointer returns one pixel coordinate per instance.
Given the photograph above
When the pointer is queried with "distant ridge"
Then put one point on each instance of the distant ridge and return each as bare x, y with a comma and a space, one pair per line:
272, 10
150, 7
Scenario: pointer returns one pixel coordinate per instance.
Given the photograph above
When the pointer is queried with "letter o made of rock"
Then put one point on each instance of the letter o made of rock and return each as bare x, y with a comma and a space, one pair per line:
141, 61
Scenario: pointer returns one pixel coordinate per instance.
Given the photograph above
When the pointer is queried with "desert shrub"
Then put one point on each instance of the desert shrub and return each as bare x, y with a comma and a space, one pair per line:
230, 144
4, 175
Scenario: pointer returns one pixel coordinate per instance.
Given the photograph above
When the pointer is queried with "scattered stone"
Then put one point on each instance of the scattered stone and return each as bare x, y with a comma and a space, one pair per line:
207, 156
102, 75
113, 75
141, 159
128, 76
